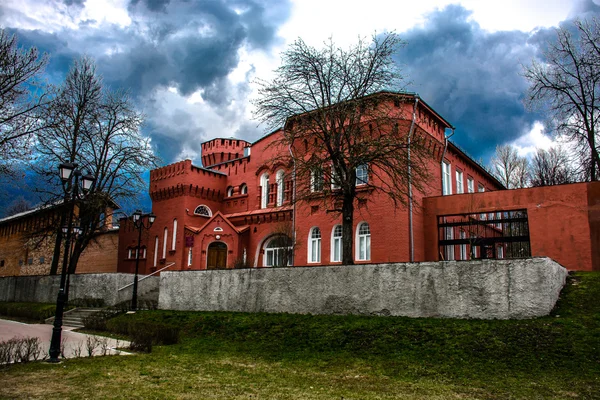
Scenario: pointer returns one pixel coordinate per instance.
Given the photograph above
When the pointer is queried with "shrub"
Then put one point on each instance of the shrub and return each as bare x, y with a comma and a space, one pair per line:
20, 350
36, 312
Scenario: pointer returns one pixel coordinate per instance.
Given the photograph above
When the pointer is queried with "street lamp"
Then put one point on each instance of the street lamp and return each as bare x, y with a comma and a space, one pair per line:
71, 179
138, 221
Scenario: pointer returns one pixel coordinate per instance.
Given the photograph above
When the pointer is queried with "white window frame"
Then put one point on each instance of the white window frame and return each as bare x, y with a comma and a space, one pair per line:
334, 186
446, 178
363, 242
280, 180
156, 240
264, 190
190, 257
203, 207
243, 188
449, 249
274, 251
500, 252
363, 179
480, 188
314, 245
336, 243
165, 237
230, 191
174, 242
316, 180
463, 247
470, 185
460, 188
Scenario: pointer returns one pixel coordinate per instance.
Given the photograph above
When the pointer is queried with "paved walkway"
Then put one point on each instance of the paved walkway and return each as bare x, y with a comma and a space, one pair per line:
75, 344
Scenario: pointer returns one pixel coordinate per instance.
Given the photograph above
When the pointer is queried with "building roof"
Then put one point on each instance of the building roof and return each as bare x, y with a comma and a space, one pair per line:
480, 167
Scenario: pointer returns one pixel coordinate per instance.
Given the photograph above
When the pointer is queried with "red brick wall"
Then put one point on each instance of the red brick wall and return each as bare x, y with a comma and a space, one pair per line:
563, 220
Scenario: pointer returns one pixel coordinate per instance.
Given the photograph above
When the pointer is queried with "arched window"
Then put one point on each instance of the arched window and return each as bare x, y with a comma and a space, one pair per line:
280, 179
243, 188
264, 190
155, 251
314, 245
203, 211
278, 252
229, 191
173, 244
166, 234
336, 244
363, 248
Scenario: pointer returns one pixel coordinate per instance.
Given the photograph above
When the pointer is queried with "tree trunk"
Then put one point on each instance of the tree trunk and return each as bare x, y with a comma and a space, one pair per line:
347, 234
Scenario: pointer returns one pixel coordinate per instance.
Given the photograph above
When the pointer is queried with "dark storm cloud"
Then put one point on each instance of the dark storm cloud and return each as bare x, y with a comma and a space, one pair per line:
188, 45
473, 78
470, 76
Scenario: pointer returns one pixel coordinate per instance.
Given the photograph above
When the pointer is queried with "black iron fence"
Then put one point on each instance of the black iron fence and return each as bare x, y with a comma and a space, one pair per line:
498, 234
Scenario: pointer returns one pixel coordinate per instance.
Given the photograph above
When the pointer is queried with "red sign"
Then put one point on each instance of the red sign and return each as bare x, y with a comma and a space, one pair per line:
189, 241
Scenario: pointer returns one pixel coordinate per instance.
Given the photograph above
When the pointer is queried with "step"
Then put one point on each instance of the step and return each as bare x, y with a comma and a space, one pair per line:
75, 317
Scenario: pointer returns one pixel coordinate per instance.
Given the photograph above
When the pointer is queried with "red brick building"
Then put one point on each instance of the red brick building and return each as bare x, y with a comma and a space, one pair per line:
237, 209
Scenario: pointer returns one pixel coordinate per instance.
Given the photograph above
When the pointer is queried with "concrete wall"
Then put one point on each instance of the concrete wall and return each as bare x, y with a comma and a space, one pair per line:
479, 289
44, 289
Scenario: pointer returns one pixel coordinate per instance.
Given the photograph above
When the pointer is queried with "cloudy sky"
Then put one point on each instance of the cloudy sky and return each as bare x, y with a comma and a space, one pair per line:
190, 65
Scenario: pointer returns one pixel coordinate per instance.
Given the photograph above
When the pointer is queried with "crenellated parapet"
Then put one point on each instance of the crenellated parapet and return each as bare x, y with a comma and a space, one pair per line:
218, 151
203, 192
184, 179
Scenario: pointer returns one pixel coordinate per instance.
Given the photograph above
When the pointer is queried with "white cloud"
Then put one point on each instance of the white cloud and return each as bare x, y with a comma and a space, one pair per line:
317, 20
528, 144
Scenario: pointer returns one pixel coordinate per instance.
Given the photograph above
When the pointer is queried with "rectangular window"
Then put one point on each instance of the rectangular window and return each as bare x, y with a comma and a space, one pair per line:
459, 182
316, 180
463, 247
446, 179
470, 185
362, 175
364, 248
189, 257
449, 249
480, 188
334, 179
500, 252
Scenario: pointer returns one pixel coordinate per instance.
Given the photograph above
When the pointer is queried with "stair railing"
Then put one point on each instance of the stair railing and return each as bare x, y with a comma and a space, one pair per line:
147, 276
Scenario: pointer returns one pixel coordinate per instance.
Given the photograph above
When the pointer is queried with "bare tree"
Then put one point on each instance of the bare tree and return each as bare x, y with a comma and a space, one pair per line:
509, 168
99, 130
17, 206
566, 83
342, 126
18, 98
552, 167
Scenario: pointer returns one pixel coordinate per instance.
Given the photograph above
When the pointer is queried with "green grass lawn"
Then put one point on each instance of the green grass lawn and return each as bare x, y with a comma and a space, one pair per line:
281, 356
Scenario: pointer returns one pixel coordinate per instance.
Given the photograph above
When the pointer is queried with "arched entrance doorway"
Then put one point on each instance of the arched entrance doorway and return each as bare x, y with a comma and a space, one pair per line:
216, 256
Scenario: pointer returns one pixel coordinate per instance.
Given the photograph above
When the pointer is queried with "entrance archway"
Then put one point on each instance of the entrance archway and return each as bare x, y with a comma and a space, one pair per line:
216, 256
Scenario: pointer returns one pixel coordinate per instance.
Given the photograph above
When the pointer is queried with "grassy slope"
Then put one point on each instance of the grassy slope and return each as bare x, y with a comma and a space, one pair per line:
234, 355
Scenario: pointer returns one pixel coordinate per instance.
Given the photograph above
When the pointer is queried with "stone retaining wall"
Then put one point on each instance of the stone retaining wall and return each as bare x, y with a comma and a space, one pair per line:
478, 289
44, 289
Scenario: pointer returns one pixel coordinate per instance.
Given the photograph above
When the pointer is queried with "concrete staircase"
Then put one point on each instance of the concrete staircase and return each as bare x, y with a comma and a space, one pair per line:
74, 318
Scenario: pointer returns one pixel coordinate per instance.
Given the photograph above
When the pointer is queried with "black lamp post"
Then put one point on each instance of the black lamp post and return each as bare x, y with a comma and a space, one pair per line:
71, 178
138, 221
